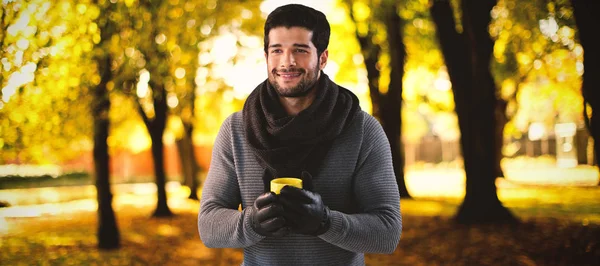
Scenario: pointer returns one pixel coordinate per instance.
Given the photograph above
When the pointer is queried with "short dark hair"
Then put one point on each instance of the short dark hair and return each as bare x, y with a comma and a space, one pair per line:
295, 15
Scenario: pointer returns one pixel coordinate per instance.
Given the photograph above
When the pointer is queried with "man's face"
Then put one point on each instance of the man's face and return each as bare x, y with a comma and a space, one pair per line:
292, 61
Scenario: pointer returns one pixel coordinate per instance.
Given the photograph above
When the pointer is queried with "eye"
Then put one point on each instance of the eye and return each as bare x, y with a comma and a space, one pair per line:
276, 51
301, 51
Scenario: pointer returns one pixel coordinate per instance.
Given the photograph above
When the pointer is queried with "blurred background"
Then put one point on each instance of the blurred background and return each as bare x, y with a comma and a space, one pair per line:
112, 106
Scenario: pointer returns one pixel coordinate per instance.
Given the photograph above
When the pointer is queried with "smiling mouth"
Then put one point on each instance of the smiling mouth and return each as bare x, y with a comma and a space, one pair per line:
289, 73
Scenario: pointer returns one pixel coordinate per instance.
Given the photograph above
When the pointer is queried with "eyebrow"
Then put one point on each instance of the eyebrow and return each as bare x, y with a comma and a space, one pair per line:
295, 45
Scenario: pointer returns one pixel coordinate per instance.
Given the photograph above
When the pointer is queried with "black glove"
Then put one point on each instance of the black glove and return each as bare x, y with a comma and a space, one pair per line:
267, 218
305, 212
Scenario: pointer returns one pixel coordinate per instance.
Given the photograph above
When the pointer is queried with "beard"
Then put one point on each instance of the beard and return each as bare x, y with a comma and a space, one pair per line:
304, 87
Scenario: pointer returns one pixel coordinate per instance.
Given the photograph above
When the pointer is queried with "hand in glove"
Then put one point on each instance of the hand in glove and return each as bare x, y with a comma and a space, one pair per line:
304, 211
267, 218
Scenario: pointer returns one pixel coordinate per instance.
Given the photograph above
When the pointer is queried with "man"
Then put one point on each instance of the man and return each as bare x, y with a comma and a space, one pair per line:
298, 123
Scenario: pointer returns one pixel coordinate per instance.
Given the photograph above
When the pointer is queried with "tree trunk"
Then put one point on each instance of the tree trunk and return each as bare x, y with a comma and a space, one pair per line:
184, 161
157, 130
193, 182
156, 127
387, 108
501, 120
162, 209
392, 101
108, 233
467, 57
587, 20
188, 126
189, 165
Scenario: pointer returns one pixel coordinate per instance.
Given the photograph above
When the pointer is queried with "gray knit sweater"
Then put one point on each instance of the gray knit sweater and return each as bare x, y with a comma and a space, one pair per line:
356, 182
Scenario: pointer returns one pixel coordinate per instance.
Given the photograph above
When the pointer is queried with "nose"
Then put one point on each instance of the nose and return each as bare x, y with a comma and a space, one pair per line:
288, 60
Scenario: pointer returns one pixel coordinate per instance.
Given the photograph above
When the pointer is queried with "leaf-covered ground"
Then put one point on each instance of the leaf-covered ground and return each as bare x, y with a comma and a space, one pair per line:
559, 226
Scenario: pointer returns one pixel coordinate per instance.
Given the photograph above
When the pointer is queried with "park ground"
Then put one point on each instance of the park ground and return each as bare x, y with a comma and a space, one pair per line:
559, 225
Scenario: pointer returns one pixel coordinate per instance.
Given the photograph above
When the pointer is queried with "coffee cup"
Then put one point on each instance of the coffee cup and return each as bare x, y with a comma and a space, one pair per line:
278, 183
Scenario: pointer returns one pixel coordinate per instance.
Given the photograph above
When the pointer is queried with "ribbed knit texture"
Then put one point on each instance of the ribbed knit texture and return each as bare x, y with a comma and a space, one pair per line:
356, 182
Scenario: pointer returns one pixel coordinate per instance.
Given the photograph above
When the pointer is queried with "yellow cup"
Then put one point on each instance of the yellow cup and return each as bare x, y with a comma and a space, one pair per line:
278, 183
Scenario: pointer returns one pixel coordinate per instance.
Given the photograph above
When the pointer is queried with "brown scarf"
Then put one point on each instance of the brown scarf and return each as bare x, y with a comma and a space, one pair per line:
287, 145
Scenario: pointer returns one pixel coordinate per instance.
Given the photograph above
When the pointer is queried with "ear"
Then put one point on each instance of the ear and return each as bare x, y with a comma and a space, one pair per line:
266, 56
323, 59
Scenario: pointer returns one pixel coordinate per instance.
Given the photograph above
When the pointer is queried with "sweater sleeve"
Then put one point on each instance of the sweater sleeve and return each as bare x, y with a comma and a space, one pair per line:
220, 223
377, 227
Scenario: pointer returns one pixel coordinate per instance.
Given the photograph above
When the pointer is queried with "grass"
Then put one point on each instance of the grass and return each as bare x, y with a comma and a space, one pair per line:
559, 226
70, 179
65, 180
